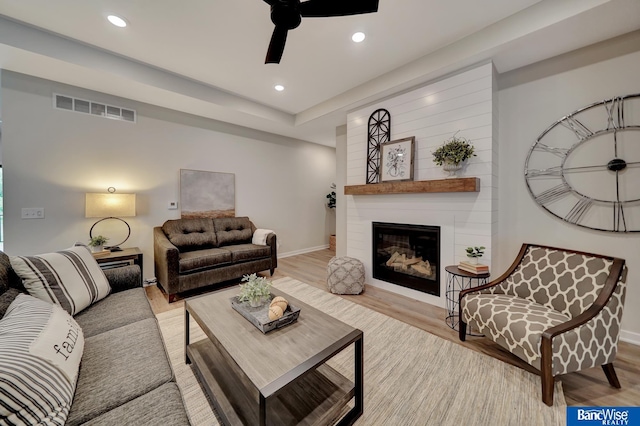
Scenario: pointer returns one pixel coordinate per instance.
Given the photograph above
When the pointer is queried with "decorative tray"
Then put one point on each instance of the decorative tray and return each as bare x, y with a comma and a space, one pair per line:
260, 316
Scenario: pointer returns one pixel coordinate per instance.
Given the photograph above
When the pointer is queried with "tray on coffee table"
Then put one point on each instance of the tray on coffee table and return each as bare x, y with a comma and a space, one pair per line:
259, 316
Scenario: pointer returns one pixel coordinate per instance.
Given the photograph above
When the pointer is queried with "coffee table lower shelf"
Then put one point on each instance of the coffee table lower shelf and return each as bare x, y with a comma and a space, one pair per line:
318, 398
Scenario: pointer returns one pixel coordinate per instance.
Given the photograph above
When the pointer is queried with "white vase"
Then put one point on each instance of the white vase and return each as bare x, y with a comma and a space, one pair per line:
451, 168
97, 249
473, 260
256, 303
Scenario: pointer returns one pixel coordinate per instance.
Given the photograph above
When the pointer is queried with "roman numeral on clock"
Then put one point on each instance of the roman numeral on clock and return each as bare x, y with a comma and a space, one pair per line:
578, 211
615, 113
560, 152
553, 194
580, 130
551, 171
619, 223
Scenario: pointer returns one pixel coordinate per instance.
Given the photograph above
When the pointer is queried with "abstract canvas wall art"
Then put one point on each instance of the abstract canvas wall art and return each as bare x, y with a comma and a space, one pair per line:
207, 194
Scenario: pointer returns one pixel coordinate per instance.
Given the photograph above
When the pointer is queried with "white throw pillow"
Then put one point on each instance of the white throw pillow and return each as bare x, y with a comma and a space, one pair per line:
40, 350
70, 278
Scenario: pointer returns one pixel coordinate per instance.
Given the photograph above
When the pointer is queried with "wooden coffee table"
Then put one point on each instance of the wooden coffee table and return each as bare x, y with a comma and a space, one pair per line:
278, 378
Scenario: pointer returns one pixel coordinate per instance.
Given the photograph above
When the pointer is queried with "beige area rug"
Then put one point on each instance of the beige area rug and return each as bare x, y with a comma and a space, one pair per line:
411, 377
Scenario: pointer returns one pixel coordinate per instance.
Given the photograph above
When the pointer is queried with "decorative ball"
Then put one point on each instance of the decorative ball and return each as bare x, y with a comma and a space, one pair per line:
280, 302
275, 312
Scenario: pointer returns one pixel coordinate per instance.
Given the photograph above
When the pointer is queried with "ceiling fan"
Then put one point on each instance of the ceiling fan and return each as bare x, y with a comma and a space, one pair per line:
287, 15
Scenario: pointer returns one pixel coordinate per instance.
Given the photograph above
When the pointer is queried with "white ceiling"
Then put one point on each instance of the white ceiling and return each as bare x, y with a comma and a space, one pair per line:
206, 57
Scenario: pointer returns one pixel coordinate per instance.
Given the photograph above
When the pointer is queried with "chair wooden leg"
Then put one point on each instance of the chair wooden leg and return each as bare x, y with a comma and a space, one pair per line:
610, 372
462, 330
546, 371
547, 388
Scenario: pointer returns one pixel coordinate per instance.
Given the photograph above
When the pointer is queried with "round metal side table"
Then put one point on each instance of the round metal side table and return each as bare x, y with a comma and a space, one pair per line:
457, 280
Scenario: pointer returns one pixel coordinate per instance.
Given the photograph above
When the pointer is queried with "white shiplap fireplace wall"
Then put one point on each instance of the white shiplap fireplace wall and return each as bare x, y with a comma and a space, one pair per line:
465, 103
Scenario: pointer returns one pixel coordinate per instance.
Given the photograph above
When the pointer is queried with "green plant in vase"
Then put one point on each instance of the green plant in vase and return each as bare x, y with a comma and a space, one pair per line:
453, 153
97, 243
255, 290
473, 253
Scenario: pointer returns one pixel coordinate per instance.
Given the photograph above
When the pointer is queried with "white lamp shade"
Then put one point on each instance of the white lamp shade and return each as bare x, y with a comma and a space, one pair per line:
110, 205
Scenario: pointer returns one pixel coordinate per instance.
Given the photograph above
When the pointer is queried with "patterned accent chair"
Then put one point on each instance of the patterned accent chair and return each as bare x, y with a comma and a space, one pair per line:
558, 310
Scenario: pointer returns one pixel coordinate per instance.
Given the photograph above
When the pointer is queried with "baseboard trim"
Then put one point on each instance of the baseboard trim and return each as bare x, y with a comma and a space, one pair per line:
630, 337
303, 251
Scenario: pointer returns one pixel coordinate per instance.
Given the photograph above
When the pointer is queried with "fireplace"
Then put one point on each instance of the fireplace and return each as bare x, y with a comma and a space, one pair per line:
407, 255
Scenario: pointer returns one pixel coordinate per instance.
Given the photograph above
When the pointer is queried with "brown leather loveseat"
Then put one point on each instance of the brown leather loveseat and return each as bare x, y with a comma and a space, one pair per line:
195, 253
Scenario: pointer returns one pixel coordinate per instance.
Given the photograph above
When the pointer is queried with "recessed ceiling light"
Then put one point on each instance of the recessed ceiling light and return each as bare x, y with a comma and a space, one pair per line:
279, 87
358, 37
117, 21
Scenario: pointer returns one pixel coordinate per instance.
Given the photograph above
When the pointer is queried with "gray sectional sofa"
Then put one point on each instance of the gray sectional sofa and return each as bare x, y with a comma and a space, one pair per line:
125, 376
194, 253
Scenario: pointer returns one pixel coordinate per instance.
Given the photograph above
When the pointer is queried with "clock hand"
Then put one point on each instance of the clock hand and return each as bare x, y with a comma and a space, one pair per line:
575, 169
595, 167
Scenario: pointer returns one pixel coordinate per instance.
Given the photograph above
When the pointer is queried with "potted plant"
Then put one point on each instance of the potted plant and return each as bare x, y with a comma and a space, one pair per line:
473, 253
452, 153
97, 243
331, 197
331, 203
255, 290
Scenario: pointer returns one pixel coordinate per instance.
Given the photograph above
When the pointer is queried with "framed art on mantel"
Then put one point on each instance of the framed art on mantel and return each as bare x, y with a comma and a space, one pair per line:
396, 160
207, 194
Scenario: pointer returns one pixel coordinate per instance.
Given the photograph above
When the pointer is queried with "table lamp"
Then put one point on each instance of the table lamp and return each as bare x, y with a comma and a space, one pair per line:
110, 206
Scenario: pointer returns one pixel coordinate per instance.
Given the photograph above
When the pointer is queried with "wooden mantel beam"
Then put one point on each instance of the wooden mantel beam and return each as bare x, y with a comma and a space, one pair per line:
468, 184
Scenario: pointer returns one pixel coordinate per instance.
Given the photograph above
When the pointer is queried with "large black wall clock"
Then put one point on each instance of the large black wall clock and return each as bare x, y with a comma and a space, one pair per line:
585, 167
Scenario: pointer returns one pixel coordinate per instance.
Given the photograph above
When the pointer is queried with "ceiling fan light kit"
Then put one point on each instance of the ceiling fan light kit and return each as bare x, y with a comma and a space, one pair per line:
287, 15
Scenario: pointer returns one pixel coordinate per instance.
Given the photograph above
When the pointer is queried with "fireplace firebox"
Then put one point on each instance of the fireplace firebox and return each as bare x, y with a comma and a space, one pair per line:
407, 255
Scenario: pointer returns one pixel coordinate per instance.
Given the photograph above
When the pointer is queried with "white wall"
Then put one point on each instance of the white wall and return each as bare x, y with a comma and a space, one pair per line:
530, 100
52, 157
433, 113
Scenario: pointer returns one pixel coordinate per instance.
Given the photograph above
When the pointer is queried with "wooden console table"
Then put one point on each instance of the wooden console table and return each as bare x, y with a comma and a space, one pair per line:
130, 255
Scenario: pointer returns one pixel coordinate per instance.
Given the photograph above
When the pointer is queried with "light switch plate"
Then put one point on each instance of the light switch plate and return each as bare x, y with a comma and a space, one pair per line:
33, 213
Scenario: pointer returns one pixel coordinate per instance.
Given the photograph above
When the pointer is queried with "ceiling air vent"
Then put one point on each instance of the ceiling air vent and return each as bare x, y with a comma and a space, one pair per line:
93, 108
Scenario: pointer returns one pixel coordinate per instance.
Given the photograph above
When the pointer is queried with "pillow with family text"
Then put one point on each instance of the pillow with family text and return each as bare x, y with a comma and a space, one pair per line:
40, 350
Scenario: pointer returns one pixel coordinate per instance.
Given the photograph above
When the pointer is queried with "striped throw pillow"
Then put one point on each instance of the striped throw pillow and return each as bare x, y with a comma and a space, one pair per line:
40, 350
70, 278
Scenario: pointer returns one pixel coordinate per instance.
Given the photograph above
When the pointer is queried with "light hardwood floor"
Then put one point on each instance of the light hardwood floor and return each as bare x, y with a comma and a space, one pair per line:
587, 388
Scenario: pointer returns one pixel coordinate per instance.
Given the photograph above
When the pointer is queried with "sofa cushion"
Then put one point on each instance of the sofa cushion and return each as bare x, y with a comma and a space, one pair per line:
514, 323
160, 407
233, 230
6, 298
193, 261
124, 277
40, 351
243, 252
117, 367
8, 277
70, 278
118, 309
190, 234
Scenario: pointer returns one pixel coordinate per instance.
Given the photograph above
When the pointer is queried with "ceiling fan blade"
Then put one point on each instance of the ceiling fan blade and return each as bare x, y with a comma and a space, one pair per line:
324, 8
276, 46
